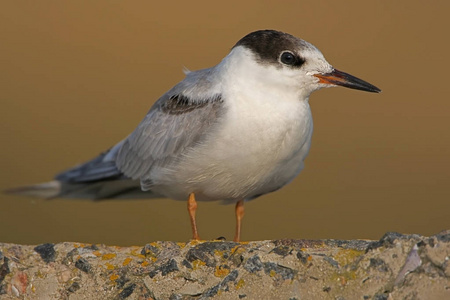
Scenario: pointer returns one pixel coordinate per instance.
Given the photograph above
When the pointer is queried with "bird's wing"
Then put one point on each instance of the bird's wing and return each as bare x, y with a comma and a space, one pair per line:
177, 121
102, 167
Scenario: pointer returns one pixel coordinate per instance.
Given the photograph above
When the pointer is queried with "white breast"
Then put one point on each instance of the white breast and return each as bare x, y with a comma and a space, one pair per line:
258, 149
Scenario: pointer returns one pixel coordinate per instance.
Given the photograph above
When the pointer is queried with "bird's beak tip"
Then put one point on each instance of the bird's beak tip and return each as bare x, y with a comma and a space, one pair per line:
340, 78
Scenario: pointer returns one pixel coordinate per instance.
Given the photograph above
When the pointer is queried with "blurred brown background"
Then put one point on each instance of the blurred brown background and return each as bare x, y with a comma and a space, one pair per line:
75, 78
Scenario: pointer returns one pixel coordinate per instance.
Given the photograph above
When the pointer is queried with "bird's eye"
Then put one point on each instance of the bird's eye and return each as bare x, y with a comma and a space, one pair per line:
288, 58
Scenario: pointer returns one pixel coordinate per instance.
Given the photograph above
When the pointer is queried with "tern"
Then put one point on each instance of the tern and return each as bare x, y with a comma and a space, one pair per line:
232, 132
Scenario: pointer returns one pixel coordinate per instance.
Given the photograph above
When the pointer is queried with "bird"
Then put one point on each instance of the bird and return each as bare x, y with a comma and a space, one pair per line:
232, 132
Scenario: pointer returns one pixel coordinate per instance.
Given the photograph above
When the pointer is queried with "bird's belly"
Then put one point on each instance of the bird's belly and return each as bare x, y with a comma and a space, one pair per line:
249, 159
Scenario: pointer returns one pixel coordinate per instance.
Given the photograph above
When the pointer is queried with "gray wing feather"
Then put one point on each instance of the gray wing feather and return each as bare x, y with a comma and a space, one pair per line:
178, 120
102, 167
162, 135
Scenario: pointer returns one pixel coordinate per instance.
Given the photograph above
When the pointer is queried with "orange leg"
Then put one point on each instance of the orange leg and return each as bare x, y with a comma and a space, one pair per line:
192, 208
239, 216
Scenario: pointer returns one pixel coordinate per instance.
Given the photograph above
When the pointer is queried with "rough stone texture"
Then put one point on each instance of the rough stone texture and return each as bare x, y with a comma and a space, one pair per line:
395, 267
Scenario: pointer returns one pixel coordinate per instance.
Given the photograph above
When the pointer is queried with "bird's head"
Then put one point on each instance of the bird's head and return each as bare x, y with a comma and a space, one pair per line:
278, 58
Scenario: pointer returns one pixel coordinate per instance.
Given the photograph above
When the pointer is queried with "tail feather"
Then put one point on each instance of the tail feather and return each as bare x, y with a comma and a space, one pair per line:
45, 190
96, 179
100, 190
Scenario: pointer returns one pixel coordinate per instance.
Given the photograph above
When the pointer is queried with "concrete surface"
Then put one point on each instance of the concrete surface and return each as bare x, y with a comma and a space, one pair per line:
395, 267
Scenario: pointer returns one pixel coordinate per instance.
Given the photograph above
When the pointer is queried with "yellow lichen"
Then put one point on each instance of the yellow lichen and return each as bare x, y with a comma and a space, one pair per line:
219, 253
346, 256
197, 263
97, 253
221, 271
108, 256
113, 277
272, 273
127, 261
39, 274
109, 266
344, 277
240, 284
195, 242
145, 263
135, 251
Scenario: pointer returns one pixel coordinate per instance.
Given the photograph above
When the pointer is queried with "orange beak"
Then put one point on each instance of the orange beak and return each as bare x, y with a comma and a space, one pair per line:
337, 77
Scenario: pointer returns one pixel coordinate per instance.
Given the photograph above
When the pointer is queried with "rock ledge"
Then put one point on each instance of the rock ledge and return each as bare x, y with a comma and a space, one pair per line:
395, 267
